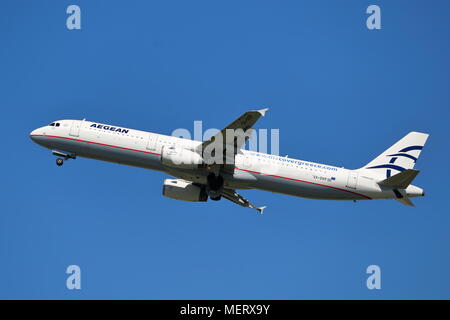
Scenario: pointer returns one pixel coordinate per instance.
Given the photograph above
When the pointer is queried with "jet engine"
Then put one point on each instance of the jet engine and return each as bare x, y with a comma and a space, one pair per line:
180, 158
179, 189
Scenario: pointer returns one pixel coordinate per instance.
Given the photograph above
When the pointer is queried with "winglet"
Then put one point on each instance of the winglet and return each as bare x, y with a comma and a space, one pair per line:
263, 111
261, 209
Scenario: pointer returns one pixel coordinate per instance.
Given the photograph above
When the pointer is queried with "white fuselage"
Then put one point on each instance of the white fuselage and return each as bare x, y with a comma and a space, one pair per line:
253, 170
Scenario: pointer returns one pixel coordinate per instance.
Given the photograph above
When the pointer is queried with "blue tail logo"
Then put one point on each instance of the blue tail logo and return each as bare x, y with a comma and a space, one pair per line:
402, 153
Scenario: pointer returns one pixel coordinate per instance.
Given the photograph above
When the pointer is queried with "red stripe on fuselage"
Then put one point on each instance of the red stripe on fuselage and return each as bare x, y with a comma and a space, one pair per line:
101, 144
270, 175
317, 184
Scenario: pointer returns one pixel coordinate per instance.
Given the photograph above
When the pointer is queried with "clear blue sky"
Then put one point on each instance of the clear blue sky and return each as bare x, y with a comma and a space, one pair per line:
339, 93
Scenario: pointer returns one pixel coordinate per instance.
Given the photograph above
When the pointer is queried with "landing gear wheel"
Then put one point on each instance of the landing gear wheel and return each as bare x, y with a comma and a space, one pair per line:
59, 162
214, 186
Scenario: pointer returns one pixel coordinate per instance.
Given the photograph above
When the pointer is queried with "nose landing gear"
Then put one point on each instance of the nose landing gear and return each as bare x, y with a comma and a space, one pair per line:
62, 156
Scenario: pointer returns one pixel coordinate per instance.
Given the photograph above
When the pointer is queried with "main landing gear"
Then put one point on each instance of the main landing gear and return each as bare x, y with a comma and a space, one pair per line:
214, 186
63, 156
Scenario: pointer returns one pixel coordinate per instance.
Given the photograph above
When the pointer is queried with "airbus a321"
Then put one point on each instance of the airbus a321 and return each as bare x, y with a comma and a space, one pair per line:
227, 166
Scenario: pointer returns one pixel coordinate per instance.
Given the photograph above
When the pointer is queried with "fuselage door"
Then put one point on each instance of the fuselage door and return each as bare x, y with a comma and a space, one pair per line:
352, 179
75, 129
151, 145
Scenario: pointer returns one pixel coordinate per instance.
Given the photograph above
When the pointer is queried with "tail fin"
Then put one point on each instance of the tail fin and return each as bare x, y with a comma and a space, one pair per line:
399, 157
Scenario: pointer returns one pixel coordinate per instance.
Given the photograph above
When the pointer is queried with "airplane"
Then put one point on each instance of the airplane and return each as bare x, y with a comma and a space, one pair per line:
200, 176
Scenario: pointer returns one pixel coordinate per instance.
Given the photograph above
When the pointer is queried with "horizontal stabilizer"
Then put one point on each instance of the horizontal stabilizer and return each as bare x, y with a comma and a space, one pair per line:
401, 180
405, 201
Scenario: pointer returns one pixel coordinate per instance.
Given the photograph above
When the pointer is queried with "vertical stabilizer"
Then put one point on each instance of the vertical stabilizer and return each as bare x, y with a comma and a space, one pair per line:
399, 157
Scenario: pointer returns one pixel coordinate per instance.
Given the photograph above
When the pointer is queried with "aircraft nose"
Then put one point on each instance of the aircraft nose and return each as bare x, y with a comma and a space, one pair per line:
34, 135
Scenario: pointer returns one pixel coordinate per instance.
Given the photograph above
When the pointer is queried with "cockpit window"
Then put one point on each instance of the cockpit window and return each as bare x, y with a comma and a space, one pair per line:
57, 124
52, 124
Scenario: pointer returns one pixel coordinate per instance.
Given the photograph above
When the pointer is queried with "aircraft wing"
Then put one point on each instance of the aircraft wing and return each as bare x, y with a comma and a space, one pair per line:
235, 197
244, 122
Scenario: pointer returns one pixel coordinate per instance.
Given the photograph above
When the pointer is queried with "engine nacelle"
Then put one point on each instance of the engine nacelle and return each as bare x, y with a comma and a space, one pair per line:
179, 189
180, 158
